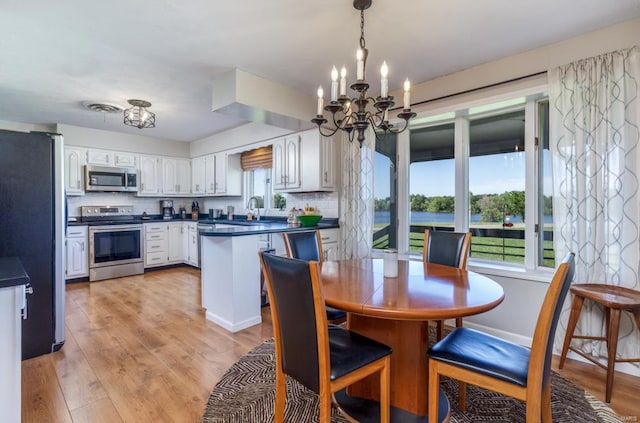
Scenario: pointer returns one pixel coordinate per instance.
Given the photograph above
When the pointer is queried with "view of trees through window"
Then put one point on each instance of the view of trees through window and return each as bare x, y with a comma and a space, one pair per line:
496, 195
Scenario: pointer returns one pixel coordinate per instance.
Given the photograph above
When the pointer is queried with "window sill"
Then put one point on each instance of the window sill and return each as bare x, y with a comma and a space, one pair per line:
512, 271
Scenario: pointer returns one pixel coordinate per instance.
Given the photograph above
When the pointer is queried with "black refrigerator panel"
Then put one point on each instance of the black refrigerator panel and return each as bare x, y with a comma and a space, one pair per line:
27, 223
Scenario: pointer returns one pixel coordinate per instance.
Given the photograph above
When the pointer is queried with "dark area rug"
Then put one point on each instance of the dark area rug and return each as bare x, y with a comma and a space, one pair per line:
246, 393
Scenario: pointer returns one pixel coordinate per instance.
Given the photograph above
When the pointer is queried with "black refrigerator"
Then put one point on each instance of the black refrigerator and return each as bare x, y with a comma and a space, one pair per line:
32, 225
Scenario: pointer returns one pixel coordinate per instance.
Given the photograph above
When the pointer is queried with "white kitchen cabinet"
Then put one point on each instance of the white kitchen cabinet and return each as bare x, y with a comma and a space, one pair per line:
150, 175
101, 157
223, 174
312, 159
286, 164
125, 159
198, 177
329, 239
176, 253
77, 252
176, 176
192, 244
12, 301
156, 244
74, 161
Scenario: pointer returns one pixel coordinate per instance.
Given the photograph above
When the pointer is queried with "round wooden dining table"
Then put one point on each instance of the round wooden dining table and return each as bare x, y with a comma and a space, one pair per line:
396, 311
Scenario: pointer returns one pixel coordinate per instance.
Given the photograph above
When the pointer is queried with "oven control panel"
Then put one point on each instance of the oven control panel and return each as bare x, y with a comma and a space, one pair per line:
105, 211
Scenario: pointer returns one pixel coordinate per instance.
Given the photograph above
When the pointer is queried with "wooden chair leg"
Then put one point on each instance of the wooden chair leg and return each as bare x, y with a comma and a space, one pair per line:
462, 396
281, 392
434, 391
458, 322
325, 408
612, 346
385, 391
439, 329
546, 404
576, 307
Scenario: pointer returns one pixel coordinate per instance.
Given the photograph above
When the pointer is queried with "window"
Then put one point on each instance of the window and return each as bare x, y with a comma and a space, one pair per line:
481, 169
431, 182
385, 229
497, 186
256, 164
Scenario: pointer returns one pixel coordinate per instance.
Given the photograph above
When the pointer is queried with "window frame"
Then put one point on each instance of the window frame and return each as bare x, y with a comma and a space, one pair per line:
464, 111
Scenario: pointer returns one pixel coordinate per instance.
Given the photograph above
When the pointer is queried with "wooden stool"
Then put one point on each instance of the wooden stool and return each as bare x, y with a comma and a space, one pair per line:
614, 299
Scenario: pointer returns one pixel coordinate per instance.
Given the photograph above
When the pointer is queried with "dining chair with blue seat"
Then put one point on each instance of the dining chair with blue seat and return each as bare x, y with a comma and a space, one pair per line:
499, 365
450, 249
324, 358
307, 245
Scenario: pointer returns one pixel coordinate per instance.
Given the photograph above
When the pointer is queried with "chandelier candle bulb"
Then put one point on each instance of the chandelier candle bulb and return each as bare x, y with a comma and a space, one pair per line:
334, 84
343, 81
384, 82
320, 100
407, 95
360, 65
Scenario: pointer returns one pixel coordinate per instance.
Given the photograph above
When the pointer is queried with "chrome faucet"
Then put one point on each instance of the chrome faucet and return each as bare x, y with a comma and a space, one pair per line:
257, 206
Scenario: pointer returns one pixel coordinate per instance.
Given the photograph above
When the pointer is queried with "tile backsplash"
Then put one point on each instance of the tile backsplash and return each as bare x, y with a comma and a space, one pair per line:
326, 202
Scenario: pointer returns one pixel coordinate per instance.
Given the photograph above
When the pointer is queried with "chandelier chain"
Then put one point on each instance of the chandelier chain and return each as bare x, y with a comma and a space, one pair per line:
362, 40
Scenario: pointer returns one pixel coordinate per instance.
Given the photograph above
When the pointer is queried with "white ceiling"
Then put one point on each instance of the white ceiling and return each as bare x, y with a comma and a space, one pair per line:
54, 55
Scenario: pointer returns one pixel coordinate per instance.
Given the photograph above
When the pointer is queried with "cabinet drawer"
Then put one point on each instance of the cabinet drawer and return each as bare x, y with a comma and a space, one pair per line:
155, 227
76, 231
155, 258
328, 236
156, 246
155, 236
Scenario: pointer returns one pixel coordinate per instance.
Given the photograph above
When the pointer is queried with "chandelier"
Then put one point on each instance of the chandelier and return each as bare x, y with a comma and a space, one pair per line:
351, 114
137, 115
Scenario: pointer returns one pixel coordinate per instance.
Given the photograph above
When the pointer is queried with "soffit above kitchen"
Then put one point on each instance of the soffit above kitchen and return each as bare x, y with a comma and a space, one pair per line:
57, 55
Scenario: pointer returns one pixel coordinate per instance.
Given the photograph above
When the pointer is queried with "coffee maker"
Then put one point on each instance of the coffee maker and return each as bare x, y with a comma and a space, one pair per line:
167, 209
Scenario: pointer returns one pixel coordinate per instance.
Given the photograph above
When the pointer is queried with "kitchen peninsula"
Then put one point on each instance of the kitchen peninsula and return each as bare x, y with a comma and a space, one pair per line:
231, 269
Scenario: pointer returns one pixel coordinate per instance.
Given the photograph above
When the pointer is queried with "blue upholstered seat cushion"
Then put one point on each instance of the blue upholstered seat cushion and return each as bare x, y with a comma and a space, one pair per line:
484, 354
350, 351
335, 314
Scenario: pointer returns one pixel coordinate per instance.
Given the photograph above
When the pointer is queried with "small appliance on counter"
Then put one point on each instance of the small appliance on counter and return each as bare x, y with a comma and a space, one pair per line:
215, 213
183, 213
167, 209
230, 210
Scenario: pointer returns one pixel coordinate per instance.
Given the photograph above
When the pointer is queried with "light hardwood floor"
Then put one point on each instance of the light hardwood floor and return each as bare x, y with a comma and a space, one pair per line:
139, 349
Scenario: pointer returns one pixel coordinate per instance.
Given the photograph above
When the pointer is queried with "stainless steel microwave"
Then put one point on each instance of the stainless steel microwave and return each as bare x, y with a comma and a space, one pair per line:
102, 178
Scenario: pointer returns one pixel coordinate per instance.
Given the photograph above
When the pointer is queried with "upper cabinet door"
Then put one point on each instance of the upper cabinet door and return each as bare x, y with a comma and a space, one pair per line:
183, 176
125, 159
150, 181
74, 170
100, 157
198, 179
292, 151
279, 171
221, 173
210, 174
169, 176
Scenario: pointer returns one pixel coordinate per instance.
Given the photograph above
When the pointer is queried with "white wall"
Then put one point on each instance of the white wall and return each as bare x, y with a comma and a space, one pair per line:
97, 138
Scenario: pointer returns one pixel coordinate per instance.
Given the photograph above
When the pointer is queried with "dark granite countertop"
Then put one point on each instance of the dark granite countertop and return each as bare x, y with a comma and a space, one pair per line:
268, 224
12, 273
266, 228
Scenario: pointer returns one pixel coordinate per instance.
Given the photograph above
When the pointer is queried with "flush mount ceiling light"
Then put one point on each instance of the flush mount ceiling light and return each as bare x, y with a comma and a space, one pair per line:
351, 113
137, 115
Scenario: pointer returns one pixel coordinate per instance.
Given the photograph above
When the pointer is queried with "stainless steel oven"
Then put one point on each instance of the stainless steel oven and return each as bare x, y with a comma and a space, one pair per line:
114, 251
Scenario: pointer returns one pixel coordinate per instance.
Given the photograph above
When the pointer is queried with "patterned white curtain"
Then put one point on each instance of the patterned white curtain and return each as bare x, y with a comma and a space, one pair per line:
356, 200
594, 132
